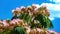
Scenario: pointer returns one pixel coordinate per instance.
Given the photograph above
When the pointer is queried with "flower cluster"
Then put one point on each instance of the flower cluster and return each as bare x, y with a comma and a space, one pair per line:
5, 25
10, 24
34, 20
32, 10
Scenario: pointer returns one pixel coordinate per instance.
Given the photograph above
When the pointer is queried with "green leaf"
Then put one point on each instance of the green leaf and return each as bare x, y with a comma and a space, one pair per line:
26, 17
21, 16
6, 32
50, 23
40, 18
19, 30
44, 21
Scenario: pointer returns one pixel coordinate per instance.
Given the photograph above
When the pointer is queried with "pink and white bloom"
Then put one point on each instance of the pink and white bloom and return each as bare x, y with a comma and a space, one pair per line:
17, 8
52, 31
5, 23
22, 7
40, 30
27, 29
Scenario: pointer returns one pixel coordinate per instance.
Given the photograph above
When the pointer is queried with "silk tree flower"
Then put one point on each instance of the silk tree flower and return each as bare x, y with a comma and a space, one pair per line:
29, 9
13, 22
23, 9
17, 11
35, 11
27, 29
44, 6
32, 10
31, 32
20, 22
34, 6
45, 11
40, 31
14, 12
52, 32
35, 31
6, 25
17, 21
17, 8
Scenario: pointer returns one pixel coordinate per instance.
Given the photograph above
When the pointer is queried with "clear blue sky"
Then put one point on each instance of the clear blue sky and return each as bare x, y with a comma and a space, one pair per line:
7, 5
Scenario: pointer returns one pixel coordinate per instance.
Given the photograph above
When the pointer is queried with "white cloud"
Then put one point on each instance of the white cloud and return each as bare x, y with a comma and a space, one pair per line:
51, 18
55, 7
56, 1
54, 10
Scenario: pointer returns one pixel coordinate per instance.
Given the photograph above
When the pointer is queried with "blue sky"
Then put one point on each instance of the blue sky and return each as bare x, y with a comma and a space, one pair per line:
6, 7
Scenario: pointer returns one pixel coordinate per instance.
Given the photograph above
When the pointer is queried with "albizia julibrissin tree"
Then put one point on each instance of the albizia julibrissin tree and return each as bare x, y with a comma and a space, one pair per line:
33, 16
28, 20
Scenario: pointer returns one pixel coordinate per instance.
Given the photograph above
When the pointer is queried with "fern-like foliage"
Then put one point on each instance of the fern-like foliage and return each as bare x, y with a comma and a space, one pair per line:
6, 32
44, 21
26, 17
19, 30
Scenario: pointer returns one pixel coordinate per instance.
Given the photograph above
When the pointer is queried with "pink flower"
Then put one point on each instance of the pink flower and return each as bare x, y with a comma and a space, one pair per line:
29, 8
34, 6
22, 8
51, 31
17, 8
18, 19
27, 29
14, 20
5, 23
38, 29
